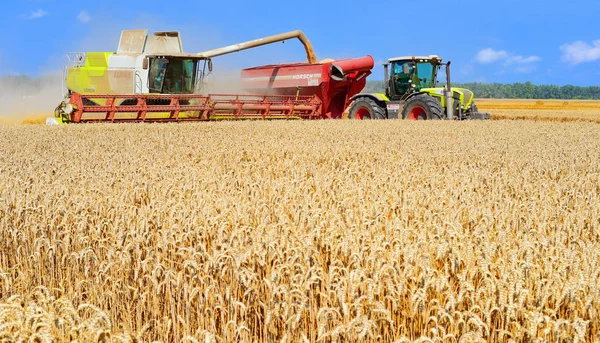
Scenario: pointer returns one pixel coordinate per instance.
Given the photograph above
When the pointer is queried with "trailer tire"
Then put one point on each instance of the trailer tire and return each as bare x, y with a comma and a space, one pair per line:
366, 108
422, 107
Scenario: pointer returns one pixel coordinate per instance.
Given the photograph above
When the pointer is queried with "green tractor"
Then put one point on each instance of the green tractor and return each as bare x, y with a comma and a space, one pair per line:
411, 92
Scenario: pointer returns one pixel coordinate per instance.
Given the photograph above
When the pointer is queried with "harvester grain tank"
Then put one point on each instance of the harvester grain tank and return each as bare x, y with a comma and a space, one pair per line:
333, 82
151, 78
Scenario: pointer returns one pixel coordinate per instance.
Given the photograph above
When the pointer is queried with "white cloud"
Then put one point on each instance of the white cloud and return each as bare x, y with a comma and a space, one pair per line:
466, 69
509, 62
525, 69
490, 55
84, 17
523, 60
579, 52
36, 14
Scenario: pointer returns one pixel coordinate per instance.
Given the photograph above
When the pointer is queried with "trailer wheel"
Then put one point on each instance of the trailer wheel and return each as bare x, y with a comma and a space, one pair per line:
366, 108
422, 107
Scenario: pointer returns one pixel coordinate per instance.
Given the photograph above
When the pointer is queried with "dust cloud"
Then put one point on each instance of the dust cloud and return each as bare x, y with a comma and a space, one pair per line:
222, 82
25, 99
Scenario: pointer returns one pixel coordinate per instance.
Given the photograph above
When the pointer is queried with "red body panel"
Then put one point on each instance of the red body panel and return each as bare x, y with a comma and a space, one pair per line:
322, 80
355, 64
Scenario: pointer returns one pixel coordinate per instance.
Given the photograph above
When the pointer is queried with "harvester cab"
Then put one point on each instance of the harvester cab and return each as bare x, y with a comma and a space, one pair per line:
176, 75
412, 92
143, 64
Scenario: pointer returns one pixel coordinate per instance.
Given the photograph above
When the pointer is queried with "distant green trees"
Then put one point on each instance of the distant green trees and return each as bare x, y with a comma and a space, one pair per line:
26, 85
517, 90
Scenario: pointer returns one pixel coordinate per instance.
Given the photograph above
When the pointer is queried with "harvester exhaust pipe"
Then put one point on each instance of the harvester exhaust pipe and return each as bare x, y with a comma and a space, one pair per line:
448, 93
310, 53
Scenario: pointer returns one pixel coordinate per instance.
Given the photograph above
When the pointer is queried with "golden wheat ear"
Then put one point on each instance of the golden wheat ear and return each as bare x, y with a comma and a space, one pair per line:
329, 231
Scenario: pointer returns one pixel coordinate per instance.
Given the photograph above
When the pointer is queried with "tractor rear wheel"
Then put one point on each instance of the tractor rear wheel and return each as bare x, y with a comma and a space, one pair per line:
366, 108
422, 107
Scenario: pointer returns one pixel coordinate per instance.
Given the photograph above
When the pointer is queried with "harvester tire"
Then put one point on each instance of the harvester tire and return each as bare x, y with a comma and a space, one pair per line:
366, 108
422, 107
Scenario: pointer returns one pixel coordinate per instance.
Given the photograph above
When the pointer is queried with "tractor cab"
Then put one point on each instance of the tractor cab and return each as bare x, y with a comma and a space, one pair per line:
176, 74
410, 74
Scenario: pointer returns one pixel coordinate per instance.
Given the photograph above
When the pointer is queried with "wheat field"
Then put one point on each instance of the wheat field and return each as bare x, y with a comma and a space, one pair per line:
500, 109
329, 231
542, 110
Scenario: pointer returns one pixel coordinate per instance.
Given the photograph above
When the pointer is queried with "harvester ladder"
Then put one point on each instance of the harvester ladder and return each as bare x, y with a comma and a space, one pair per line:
137, 83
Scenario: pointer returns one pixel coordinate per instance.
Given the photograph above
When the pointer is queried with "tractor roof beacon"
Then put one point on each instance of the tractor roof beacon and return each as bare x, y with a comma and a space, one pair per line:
412, 92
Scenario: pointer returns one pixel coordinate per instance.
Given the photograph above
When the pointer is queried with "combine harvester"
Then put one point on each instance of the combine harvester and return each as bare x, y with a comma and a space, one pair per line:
151, 79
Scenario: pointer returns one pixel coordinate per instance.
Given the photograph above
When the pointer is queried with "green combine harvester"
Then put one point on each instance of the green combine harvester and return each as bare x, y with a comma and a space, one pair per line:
412, 92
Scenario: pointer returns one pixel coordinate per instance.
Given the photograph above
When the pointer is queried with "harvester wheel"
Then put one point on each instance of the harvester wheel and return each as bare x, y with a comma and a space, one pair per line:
366, 108
422, 107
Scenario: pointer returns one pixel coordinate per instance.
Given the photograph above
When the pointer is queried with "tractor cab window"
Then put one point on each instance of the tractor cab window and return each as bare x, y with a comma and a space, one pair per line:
401, 78
409, 75
172, 76
424, 75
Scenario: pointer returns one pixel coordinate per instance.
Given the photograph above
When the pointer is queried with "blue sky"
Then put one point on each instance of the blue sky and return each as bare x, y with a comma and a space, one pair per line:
546, 42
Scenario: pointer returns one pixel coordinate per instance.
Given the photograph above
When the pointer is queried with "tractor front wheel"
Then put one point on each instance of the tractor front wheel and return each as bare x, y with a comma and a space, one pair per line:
366, 108
422, 107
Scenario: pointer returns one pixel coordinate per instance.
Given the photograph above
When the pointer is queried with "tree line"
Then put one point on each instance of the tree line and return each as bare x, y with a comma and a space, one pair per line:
517, 90
24, 85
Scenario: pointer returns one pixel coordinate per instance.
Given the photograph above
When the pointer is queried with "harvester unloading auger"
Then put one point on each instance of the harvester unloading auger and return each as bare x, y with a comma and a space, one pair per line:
151, 79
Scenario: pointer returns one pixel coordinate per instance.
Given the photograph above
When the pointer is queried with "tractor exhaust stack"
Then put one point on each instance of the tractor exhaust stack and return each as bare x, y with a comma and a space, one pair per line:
448, 93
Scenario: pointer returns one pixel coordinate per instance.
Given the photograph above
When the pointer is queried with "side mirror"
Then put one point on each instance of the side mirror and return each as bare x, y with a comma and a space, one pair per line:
145, 63
210, 66
406, 69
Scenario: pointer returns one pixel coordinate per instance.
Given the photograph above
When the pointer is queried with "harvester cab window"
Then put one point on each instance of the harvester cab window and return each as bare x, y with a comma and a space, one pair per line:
203, 69
156, 76
180, 77
172, 76
188, 68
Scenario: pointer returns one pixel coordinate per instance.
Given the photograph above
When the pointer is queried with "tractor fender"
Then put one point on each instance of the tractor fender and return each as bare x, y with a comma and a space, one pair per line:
379, 97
